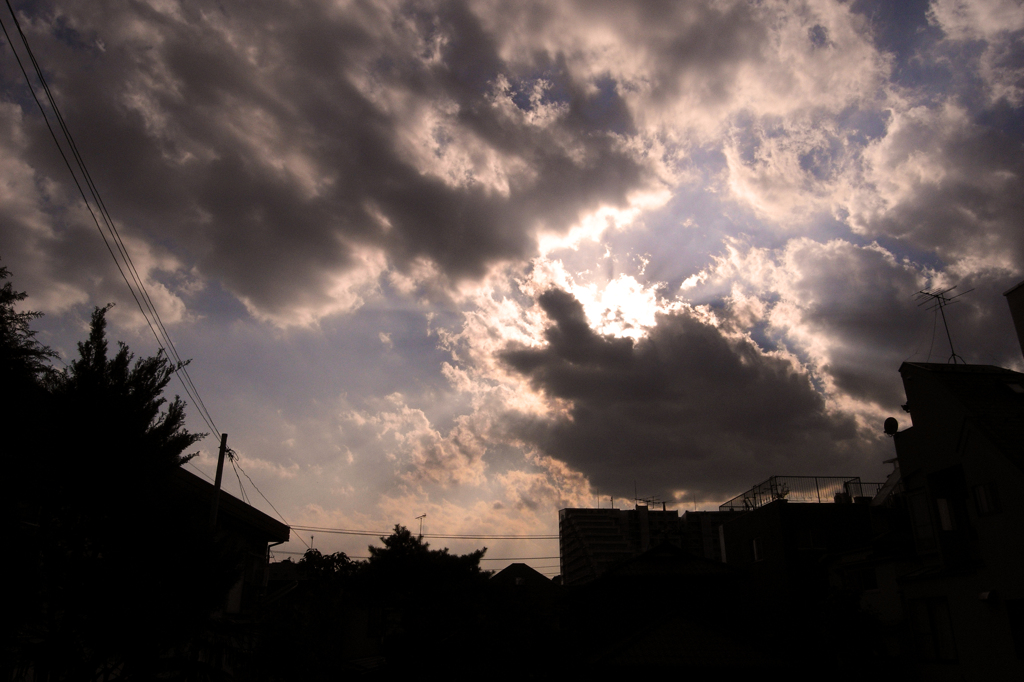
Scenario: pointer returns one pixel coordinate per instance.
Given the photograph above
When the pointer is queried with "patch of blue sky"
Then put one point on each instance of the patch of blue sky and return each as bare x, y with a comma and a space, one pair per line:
762, 335
823, 161
818, 35
1004, 118
593, 106
683, 237
861, 126
12, 83
901, 29
605, 109
827, 227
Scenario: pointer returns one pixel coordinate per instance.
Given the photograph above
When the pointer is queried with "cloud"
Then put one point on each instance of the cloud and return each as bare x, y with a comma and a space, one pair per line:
420, 453
283, 156
997, 25
688, 408
850, 314
848, 311
296, 161
428, 255
947, 184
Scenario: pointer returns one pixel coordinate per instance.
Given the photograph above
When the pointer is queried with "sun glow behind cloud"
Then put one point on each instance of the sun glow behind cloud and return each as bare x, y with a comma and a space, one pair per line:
440, 257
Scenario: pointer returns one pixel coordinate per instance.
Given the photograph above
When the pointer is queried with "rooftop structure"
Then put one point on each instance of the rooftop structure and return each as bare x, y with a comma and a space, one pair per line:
815, 489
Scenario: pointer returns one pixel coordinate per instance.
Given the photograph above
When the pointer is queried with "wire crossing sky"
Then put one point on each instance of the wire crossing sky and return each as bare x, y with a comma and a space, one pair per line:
481, 261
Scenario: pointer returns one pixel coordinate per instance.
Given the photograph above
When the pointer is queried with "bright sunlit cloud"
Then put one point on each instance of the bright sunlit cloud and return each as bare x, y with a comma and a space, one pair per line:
481, 260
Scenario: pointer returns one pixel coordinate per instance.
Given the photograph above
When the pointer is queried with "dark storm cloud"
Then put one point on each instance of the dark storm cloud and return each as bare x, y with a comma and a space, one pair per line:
684, 408
241, 135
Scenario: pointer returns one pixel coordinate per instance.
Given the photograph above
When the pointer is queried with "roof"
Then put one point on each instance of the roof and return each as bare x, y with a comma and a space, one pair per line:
1014, 288
519, 574
992, 397
253, 520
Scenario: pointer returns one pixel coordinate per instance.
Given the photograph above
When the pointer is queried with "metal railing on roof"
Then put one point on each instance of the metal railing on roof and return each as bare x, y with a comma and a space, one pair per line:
815, 489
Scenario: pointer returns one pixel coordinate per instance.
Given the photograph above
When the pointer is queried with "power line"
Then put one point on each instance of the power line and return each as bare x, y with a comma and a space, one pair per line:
491, 537
139, 291
240, 486
236, 461
162, 337
442, 536
205, 475
237, 457
504, 558
142, 297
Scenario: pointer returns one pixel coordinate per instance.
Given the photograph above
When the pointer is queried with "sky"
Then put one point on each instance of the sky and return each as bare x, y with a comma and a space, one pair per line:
485, 260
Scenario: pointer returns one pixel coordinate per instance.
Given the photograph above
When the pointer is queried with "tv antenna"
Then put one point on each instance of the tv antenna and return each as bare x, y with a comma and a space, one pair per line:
421, 517
939, 299
648, 501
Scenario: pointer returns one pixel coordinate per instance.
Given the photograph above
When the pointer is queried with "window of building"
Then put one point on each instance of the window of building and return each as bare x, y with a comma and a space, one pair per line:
985, 499
933, 629
945, 517
920, 521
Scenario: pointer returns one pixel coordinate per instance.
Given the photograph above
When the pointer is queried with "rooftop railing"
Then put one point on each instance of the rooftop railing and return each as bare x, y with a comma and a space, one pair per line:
815, 489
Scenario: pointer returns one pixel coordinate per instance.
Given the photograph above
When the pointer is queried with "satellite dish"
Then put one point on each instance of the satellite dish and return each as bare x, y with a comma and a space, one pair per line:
891, 426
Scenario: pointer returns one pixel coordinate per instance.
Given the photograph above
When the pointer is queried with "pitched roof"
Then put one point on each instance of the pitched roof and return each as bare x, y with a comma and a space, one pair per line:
513, 572
200, 492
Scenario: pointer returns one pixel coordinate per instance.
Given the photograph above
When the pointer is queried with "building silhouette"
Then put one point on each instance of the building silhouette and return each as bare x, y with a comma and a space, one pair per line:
239, 524
590, 541
960, 575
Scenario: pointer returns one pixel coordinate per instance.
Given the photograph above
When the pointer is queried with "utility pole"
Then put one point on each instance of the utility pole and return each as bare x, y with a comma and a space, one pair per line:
216, 485
421, 517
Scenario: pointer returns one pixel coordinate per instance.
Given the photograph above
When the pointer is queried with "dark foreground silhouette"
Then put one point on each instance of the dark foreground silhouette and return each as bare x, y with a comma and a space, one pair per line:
113, 577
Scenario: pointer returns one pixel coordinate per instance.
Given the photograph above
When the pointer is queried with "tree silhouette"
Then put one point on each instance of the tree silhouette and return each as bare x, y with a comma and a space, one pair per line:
24, 369
402, 604
331, 567
23, 360
429, 598
125, 400
407, 563
118, 575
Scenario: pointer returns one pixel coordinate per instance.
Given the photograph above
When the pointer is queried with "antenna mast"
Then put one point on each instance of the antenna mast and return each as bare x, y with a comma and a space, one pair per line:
421, 517
938, 299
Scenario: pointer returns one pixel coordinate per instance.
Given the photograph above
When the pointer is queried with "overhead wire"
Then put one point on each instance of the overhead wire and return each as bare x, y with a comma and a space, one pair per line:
441, 536
163, 339
240, 486
205, 475
237, 459
141, 296
503, 558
